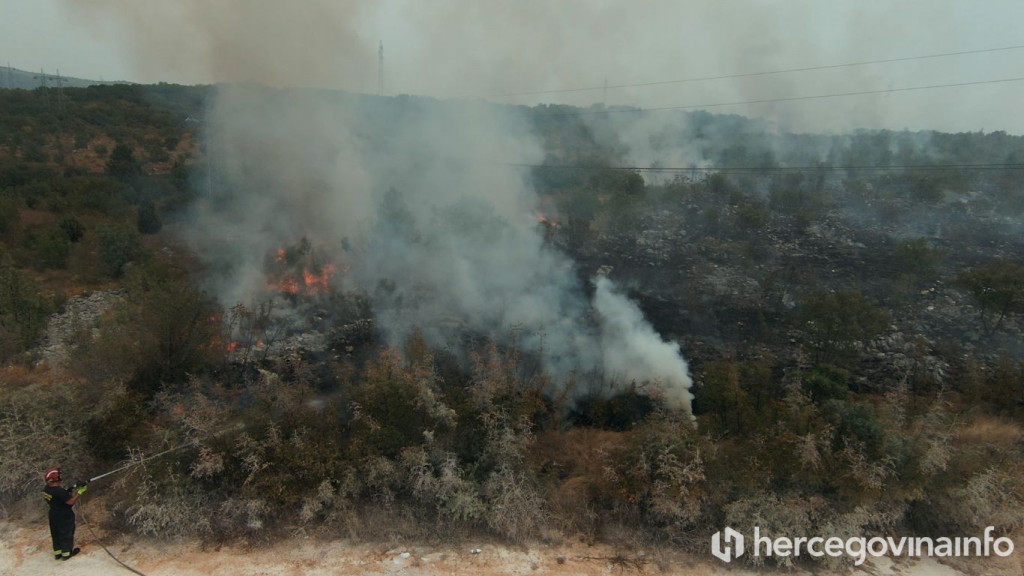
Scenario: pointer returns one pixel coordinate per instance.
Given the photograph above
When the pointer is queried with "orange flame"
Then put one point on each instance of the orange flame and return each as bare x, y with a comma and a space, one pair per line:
312, 281
319, 282
280, 254
232, 346
285, 285
544, 219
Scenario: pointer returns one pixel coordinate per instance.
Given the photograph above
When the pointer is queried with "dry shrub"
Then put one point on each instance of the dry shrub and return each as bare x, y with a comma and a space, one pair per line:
794, 515
165, 503
511, 492
249, 514
993, 497
575, 463
982, 484
40, 427
659, 475
514, 506
438, 481
774, 515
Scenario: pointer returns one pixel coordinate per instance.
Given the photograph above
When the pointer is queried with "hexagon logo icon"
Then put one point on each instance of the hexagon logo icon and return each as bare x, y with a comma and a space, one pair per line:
726, 553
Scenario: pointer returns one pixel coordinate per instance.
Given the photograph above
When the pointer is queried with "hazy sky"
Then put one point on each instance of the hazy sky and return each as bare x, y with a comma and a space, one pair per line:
489, 48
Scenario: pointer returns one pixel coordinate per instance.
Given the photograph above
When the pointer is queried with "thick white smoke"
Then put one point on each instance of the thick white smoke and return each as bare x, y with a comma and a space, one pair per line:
412, 198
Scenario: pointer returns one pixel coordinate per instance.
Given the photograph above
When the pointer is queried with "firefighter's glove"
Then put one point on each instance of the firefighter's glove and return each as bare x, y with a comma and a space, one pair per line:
81, 489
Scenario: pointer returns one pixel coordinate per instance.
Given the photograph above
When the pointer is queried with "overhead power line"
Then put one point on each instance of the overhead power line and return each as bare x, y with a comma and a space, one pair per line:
762, 73
758, 169
783, 99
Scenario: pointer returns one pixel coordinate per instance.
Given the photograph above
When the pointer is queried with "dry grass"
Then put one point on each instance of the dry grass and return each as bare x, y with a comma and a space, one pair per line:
18, 376
989, 431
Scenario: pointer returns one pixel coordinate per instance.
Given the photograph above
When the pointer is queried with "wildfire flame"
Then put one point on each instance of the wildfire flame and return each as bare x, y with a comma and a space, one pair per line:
280, 254
544, 219
316, 283
232, 346
309, 282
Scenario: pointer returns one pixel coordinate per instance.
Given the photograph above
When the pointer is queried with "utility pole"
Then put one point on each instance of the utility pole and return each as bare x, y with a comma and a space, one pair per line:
380, 69
604, 95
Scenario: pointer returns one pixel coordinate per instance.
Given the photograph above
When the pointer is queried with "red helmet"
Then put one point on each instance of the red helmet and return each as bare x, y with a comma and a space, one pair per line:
52, 475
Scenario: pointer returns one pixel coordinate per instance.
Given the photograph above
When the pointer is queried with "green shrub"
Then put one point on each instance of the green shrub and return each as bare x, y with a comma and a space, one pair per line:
122, 163
118, 245
72, 228
51, 247
838, 322
825, 383
23, 309
148, 220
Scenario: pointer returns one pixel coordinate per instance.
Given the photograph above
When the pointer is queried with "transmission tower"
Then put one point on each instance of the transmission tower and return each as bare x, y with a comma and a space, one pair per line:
380, 69
60, 92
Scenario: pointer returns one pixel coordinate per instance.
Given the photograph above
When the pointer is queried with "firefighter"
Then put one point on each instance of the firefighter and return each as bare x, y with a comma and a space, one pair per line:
62, 516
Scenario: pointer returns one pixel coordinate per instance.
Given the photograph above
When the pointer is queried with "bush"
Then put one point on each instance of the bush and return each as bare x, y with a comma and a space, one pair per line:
51, 246
659, 476
148, 220
838, 322
118, 245
122, 163
918, 259
72, 228
825, 383
997, 289
35, 421
9, 212
23, 309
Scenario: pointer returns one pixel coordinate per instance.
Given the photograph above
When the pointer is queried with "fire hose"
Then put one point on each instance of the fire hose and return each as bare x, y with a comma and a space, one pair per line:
159, 454
132, 465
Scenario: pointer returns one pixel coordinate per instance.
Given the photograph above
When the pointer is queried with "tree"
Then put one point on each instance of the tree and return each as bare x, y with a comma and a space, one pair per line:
72, 228
23, 310
148, 221
997, 289
836, 322
178, 327
119, 245
122, 163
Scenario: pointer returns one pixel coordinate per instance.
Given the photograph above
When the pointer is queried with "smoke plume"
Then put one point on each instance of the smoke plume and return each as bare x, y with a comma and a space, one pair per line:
412, 199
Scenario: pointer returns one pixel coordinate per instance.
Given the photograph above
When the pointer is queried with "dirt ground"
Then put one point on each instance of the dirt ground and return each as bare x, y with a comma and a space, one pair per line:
25, 551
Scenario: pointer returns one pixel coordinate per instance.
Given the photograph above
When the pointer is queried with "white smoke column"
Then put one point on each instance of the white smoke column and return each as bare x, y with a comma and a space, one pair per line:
414, 197
631, 347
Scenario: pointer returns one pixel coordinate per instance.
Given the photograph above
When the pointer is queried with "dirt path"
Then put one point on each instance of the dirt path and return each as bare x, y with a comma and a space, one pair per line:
24, 551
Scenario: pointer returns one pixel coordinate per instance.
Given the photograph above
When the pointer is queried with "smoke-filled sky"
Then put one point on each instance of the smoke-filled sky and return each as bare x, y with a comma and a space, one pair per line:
470, 48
